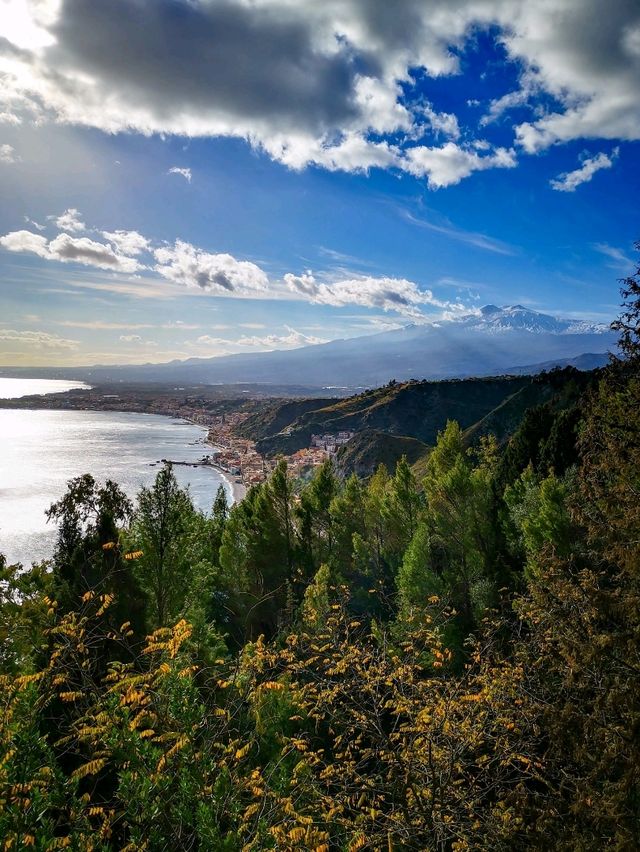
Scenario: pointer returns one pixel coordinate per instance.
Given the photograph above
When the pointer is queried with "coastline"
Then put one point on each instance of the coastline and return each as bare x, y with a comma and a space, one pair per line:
53, 400
237, 488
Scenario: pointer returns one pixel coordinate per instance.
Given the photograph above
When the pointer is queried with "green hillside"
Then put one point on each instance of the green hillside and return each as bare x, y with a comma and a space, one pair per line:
369, 448
414, 409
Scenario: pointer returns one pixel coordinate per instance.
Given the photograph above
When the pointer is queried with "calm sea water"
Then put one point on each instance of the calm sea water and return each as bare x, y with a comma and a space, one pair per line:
15, 388
41, 450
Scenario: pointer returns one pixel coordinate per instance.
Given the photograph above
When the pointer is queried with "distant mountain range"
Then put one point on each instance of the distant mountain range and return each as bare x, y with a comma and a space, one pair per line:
493, 341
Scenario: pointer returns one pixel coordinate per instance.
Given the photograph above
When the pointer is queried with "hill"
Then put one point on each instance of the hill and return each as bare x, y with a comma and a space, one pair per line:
366, 450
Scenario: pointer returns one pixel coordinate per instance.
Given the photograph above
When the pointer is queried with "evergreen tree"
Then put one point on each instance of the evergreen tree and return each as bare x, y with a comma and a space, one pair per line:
160, 525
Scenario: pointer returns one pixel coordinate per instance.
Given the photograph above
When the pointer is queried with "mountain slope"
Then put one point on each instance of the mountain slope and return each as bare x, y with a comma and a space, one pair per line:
414, 409
488, 342
366, 450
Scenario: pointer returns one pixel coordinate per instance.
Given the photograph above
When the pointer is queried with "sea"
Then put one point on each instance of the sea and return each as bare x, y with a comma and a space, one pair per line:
41, 450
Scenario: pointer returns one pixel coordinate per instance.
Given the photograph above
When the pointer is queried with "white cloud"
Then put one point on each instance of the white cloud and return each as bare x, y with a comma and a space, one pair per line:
127, 242
449, 164
35, 224
37, 339
99, 325
444, 123
19, 241
130, 338
90, 253
10, 118
8, 154
68, 249
185, 264
69, 220
185, 173
388, 294
570, 181
292, 340
321, 83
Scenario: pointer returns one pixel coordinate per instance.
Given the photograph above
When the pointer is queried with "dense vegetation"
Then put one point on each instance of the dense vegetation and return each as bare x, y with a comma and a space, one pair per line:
414, 409
446, 662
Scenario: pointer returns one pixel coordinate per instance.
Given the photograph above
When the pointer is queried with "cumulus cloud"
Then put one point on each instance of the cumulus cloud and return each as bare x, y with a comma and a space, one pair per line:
8, 154
185, 173
68, 249
449, 164
37, 339
323, 83
388, 294
570, 181
127, 242
20, 241
69, 220
130, 338
185, 264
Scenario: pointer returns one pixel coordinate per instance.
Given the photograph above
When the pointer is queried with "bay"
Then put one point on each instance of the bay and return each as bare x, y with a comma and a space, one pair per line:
41, 450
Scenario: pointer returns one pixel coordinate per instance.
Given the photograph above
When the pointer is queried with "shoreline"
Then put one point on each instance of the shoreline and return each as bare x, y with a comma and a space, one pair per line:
238, 489
235, 487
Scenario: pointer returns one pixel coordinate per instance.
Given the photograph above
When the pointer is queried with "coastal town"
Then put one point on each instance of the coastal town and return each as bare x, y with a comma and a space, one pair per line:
220, 411
238, 458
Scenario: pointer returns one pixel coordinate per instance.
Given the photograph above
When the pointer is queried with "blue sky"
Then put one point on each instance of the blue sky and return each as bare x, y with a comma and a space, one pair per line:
338, 169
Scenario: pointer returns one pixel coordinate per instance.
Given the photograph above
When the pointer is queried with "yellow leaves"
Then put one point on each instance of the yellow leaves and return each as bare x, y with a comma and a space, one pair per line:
88, 596
106, 601
133, 697
95, 810
68, 697
273, 685
179, 634
180, 743
90, 768
250, 811
297, 834
357, 843
109, 545
243, 752
134, 554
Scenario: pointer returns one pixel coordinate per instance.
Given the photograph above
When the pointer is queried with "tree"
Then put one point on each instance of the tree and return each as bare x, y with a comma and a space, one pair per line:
460, 518
316, 520
88, 556
401, 511
159, 527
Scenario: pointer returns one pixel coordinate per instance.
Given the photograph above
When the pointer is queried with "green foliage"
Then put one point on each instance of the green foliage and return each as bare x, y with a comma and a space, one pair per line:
343, 665
160, 529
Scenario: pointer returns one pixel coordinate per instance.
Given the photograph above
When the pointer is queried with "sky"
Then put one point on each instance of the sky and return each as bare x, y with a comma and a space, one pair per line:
191, 178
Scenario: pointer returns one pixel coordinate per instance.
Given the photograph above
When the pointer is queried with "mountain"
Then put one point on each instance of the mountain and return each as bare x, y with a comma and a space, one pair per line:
487, 342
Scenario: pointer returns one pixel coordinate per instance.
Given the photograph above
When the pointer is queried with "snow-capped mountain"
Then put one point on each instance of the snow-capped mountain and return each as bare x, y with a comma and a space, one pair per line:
509, 317
491, 341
